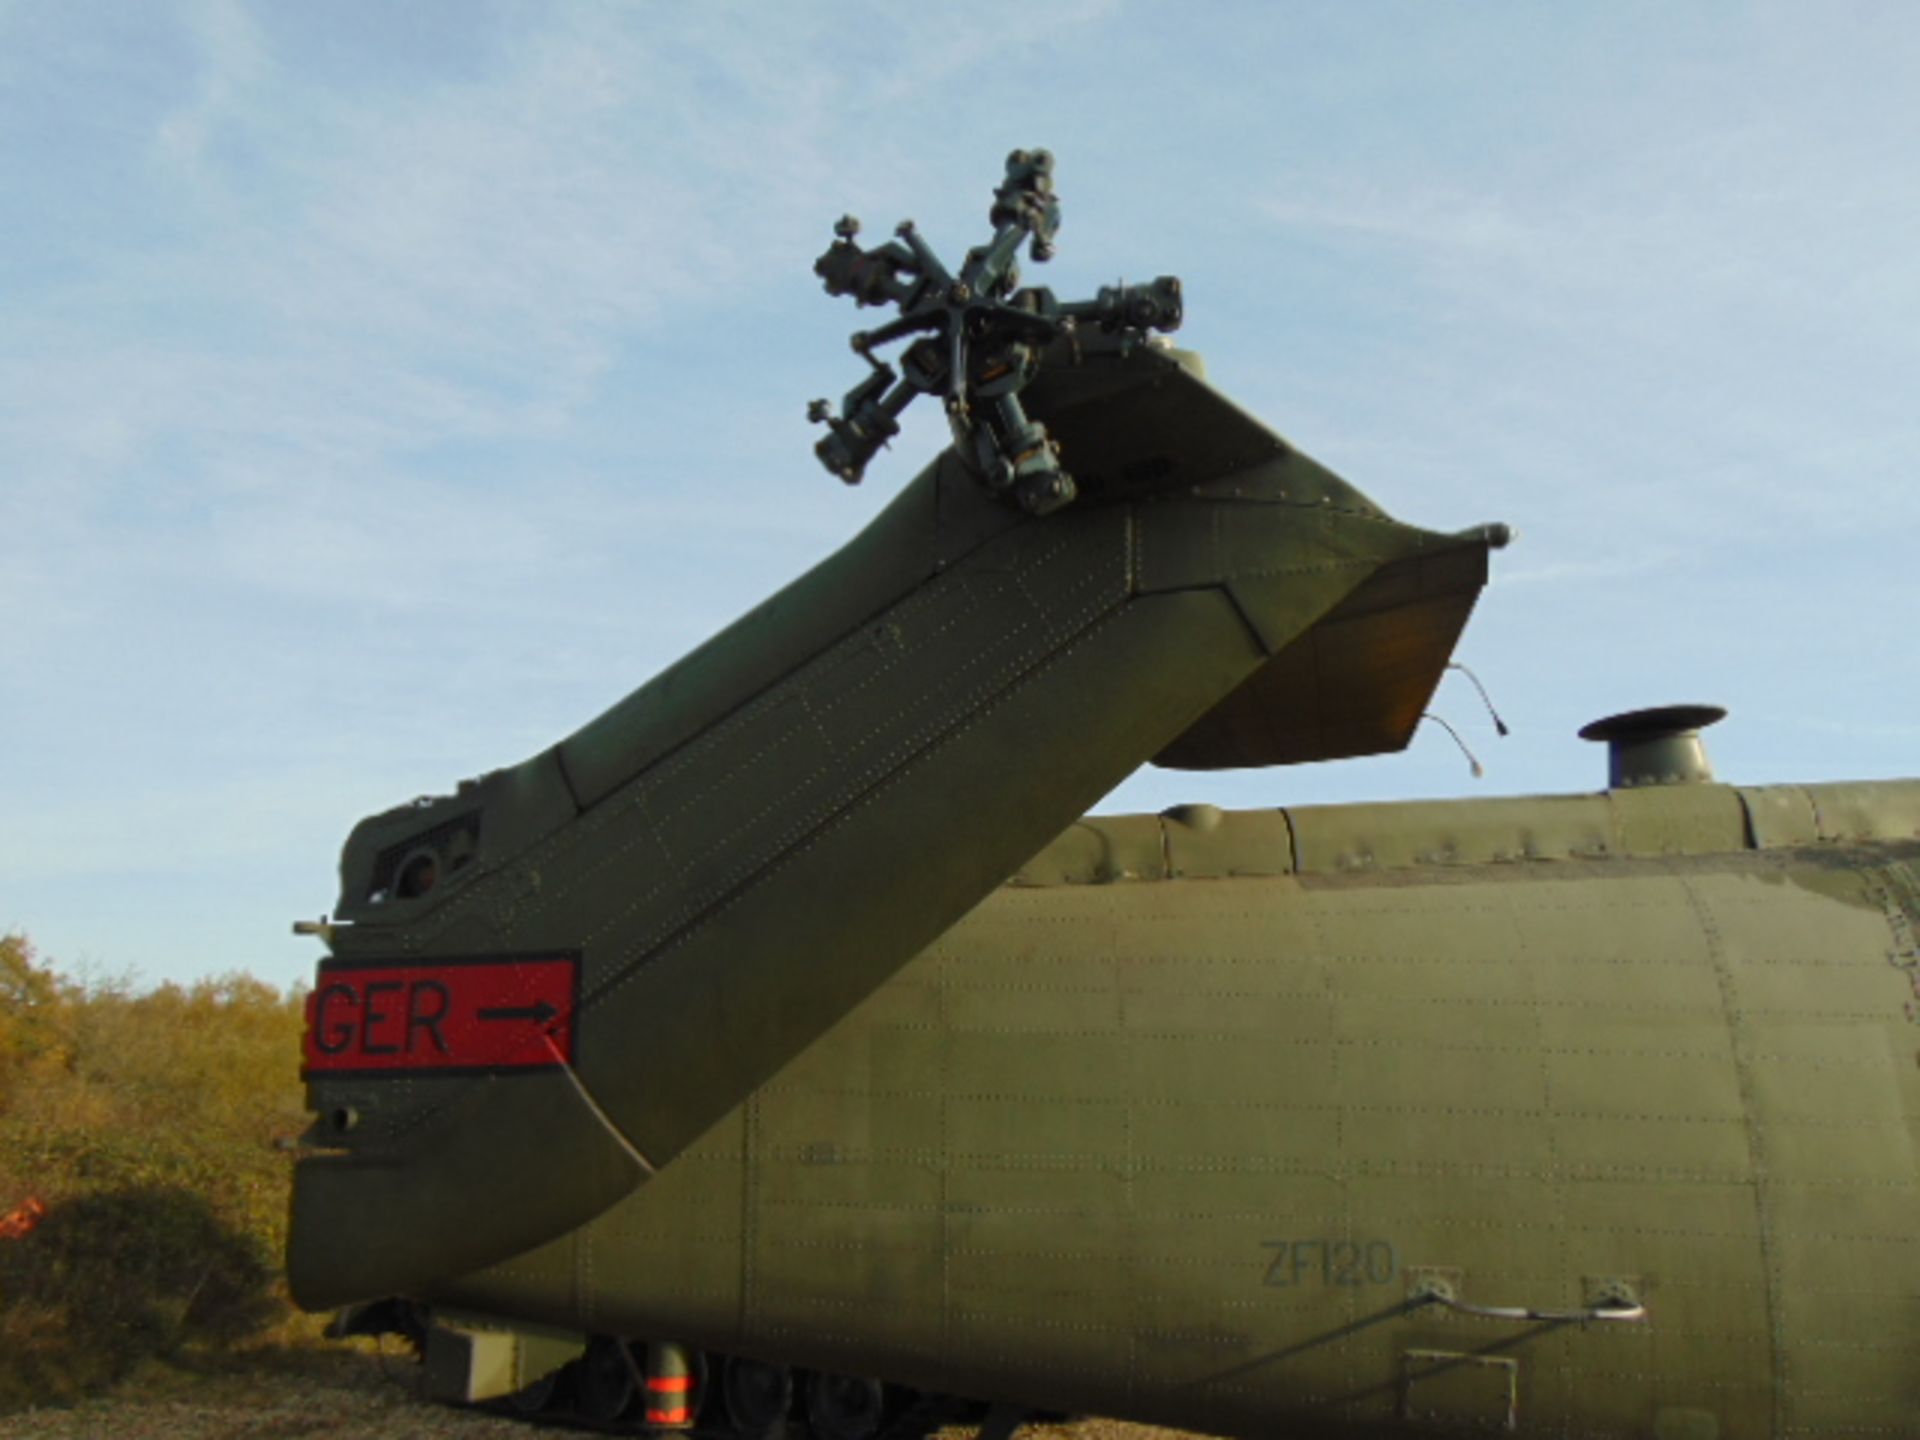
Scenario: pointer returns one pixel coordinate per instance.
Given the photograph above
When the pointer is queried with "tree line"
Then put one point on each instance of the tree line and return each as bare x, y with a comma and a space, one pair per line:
144, 1161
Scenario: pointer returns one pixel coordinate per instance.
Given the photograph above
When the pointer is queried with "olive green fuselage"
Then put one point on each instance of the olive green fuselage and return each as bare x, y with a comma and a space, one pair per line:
569, 969
1184, 1122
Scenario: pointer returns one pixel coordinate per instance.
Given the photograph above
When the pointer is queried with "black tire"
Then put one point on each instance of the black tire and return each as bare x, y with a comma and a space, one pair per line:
755, 1398
536, 1395
845, 1407
603, 1388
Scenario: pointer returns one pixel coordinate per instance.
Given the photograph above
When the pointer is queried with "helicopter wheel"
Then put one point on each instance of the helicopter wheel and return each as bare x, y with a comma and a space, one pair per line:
755, 1398
603, 1382
536, 1395
845, 1407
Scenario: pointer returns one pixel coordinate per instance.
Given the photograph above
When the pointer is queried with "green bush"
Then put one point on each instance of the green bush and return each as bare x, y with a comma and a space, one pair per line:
111, 1278
147, 1123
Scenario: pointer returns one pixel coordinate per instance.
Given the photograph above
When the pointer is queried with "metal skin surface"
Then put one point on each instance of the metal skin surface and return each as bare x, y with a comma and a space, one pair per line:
545, 987
1184, 1123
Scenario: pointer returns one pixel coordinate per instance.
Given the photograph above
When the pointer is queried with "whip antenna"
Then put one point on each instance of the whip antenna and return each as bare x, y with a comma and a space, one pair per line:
1498, 724
1479, 770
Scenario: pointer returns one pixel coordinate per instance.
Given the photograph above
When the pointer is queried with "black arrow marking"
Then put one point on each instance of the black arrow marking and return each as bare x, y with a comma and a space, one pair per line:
542, 1012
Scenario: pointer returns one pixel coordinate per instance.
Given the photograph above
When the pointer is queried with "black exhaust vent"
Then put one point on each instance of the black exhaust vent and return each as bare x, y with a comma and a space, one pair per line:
1656, 747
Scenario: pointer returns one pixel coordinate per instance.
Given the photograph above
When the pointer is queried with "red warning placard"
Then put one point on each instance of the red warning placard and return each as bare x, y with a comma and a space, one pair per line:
482, 1015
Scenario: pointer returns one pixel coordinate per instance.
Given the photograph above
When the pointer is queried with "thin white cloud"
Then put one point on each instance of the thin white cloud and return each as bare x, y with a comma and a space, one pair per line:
376, 414
1639, 560
1437, 221
233, 65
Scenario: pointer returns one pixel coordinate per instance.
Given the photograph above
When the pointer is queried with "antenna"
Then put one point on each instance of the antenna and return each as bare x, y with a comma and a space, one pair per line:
1479, 770
1498, 724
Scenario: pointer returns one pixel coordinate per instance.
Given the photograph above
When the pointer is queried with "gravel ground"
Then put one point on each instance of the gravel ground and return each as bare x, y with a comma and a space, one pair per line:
342, 1397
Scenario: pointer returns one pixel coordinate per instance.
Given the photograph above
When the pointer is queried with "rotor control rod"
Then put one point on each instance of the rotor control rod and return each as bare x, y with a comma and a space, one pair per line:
979, 339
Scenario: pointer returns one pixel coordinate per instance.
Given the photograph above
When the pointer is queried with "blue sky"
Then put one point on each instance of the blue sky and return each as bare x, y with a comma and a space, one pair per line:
386, 390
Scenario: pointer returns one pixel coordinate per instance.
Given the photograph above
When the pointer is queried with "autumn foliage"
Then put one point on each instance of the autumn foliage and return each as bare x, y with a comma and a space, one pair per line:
149, 1128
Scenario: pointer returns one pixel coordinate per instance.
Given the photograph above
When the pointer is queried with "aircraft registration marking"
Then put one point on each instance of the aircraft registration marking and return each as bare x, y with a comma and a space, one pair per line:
480, 1016
1331, 1262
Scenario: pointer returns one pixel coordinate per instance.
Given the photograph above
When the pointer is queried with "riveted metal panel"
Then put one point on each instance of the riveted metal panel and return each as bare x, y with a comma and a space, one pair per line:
1221, 1122
1098, 850
1678, 820
1779, 815
1329, 839
1203, 842
1856, 810
1356, 683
